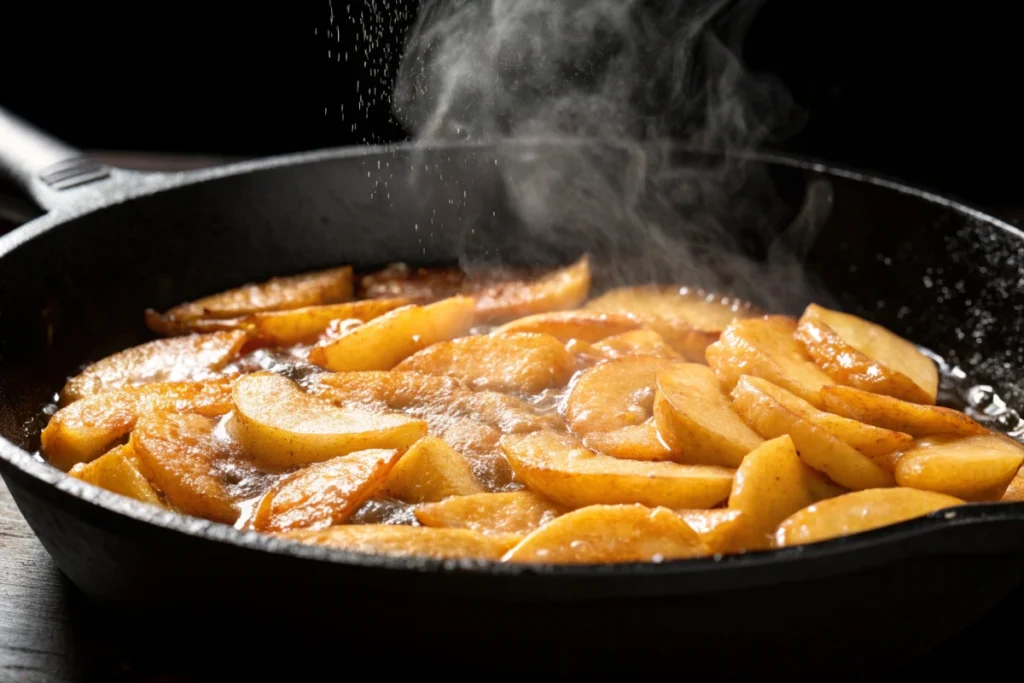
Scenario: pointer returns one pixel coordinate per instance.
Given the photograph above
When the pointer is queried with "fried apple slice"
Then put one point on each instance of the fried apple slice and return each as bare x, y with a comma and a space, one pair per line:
721, 530
193, 358
325, 493
1015, 491
430, 471
861, 354
973, 468
613, 395
588, 326
858, 512
816, 446
281, 426
558, 467
559, 290
696, 420
770, 485
515, 512
419, 541
881, 445
301, 325
688, 319
610, 533
916, 419
643, 342
89, 427
524, 362
477, 443
637, 442
199, 472
117, 472
419, 285
277, 294
764, 347
387, 340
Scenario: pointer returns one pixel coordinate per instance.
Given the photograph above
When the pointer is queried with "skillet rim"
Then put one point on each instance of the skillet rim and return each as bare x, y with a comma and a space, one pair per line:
136, 185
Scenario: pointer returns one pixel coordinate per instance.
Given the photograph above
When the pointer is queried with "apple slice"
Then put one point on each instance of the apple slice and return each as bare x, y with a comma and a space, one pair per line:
431, 471
602, 534
903, 416
325, 493
770, 485
302, 325
280, 293
644, 342
816, 446
696, 420
764, 347
973, 468
515, 512
281, 426
637, 442
385, 341
689, 319
524, 362
1014, 493
198, 471
91, 426
588, 326
721, 530
559, 290
419, 541
117, 472
195, 357
858, 512
613, 395
861, 354
558, 467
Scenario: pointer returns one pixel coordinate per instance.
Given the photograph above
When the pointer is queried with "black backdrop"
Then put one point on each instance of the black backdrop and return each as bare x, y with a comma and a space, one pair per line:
921, 91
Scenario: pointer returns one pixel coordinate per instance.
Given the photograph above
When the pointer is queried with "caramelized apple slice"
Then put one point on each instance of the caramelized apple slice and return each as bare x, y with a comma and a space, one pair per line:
696, 420
613, 395
192, 358
277, 294
721, 530
891, 413
521, 362
116, 471
858, 512
515, 512
300, 325
764, 347
689, 319
1014, 493
610, 533
644, 342
325, 493
560, 290
637, 442
867, 356
281, 426
770, 485
881, 445
420, 541
199, 472
477, 443
385, 341
431, 471
971, 467
588, 326
418, 285
89, 427
558, 466
816, 446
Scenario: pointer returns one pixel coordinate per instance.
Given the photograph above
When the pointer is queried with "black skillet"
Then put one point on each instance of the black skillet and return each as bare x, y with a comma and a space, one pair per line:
74, 283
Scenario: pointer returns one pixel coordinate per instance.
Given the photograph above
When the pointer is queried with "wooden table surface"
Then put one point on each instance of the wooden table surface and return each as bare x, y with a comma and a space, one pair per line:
50, 633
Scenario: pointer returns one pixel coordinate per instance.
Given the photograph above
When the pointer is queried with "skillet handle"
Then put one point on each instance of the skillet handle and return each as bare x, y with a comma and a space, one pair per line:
42, 166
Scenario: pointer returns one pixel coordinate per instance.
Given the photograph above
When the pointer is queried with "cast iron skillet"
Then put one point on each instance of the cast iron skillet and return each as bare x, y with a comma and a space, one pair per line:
74, 283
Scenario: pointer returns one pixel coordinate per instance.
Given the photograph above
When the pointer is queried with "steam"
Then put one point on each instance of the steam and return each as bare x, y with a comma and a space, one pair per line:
581, 97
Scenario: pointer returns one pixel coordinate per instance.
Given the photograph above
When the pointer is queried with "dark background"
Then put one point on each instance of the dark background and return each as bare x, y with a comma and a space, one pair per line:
925, 92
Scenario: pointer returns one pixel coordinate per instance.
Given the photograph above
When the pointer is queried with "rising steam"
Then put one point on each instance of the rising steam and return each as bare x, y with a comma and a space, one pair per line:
581, 96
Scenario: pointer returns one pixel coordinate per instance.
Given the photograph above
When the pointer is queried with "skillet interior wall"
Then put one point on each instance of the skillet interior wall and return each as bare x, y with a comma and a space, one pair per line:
77, 292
